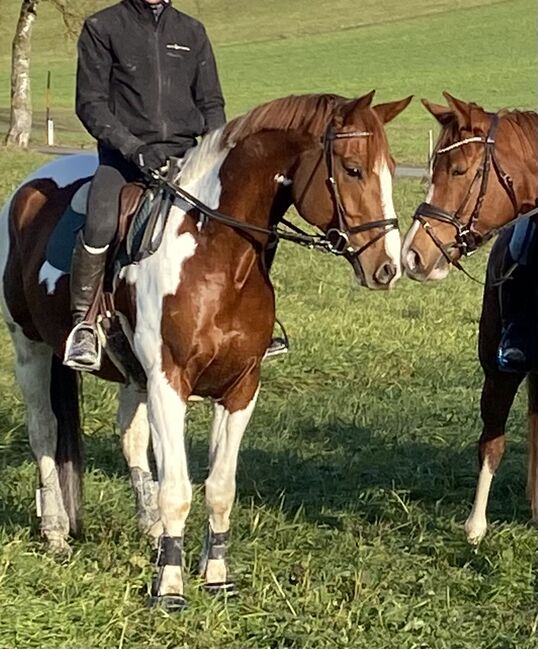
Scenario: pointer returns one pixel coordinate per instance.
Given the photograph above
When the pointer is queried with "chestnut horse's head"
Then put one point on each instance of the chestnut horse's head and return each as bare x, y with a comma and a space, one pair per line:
483, 175
343, 186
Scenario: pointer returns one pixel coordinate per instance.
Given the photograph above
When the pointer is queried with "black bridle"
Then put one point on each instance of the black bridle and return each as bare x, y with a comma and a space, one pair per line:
338, 237
335, 240
468, 239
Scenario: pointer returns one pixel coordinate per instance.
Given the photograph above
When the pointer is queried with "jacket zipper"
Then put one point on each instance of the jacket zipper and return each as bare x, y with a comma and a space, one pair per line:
159, 82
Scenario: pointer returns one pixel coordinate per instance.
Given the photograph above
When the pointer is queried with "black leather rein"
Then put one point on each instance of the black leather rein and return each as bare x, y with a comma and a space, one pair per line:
335, 241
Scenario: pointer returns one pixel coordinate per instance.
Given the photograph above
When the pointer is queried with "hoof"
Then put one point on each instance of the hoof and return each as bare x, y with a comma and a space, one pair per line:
475, 530
168, 603
59, 548
227, 588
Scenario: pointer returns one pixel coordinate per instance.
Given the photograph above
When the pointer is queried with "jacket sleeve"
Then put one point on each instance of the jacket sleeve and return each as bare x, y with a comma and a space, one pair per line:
206, 90
93, 74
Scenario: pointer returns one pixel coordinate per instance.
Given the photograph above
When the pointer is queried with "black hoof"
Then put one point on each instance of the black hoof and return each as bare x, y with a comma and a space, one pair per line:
168, 603
227, 588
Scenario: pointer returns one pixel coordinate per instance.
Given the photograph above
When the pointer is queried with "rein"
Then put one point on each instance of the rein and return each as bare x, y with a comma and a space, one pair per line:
335, 241
467, 239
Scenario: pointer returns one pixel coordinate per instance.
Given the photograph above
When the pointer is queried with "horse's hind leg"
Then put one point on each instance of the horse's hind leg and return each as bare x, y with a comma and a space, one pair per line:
532, 384
135, 432
33, 372
498, 395
231, 418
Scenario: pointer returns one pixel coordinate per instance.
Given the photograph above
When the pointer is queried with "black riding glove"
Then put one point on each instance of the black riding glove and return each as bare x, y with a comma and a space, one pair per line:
150, 156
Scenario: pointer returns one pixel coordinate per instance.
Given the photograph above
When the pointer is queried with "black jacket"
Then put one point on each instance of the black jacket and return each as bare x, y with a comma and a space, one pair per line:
145, 82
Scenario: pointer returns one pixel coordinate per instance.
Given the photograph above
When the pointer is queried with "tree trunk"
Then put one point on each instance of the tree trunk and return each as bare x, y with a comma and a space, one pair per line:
21, 101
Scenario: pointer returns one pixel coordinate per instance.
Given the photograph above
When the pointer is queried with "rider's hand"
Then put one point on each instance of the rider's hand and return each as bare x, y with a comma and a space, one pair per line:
150, 156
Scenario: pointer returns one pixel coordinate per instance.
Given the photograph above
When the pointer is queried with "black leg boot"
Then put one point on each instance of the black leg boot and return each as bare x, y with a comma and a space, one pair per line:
87, 271
516, 298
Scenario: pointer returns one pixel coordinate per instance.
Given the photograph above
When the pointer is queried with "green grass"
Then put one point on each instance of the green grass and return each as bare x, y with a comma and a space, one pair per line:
480, 50
358, 468
355, 477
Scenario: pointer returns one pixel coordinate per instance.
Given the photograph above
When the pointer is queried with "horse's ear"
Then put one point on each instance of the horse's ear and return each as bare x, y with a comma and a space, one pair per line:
461, 109
351, 106
443, 114
359, 103
387, 112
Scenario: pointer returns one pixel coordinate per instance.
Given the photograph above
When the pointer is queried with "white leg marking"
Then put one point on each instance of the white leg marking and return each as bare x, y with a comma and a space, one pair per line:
392, 238
135, 432
167, 416
226, 435
476, 525
33, 363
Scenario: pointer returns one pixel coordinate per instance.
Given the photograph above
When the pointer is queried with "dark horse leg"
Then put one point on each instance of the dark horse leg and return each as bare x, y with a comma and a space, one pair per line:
532, 483
498, 394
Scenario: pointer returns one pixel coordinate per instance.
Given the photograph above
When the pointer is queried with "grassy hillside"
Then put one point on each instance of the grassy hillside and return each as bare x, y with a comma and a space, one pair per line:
479, 50
355, 478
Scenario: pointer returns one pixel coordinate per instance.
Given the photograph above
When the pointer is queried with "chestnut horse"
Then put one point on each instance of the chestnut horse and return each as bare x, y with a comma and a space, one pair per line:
200, 310
485, 175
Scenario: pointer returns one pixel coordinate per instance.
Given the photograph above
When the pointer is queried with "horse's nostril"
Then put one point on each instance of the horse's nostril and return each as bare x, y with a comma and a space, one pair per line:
386, 273
413, 260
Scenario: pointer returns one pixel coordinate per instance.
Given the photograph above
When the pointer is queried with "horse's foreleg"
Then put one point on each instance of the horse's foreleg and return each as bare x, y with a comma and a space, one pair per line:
498, 395
135, 432
532, 482
230, 421
33, 372
166, 410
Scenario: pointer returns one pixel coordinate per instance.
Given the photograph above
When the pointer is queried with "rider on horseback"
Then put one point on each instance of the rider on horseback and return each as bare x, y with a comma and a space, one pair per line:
147, 86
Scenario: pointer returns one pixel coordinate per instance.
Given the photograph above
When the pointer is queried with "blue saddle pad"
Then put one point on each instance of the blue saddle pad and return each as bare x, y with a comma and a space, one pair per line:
62, 240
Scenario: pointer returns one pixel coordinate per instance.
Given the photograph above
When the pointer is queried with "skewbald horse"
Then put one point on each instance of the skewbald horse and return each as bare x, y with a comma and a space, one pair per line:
485, 175
199, 311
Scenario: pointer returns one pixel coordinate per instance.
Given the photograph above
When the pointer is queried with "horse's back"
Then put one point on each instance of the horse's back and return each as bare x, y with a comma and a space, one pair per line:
26, 222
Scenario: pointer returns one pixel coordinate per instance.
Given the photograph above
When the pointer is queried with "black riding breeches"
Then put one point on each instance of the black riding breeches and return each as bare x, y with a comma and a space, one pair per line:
113, 173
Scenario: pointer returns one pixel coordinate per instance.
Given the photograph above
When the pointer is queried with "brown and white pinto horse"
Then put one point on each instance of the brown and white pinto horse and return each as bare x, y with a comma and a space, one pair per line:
200, 310
485, 174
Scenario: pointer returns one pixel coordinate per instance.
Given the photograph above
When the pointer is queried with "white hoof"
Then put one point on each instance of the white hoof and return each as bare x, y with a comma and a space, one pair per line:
475, 529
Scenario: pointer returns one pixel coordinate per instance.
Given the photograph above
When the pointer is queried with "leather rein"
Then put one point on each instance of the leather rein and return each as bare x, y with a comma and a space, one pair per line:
467, 238
335, 240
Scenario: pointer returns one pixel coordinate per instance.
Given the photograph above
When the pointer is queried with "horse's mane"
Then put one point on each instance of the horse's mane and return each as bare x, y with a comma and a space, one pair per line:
308, 114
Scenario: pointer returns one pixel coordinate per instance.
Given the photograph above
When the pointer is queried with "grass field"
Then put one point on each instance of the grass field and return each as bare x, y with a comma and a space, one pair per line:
477, 49
358, 468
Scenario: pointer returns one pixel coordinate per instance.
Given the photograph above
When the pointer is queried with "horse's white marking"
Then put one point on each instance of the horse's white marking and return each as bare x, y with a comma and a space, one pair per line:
49, 275
32, 368
392, 238
283, 180
156, 277
408, 257
226, 435
64, 171
476, 525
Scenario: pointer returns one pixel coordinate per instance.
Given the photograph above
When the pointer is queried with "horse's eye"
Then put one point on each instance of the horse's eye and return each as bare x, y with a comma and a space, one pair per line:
458, 171
353, 171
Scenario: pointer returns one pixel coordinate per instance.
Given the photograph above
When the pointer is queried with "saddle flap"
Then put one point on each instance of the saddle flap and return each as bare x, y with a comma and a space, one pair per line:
130, 198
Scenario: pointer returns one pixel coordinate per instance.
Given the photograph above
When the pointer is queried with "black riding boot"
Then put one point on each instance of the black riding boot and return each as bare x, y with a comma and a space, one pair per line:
516, 298
87, 271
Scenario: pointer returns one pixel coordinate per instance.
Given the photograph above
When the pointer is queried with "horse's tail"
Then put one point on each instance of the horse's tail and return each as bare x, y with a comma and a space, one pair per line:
65, 405
532, 387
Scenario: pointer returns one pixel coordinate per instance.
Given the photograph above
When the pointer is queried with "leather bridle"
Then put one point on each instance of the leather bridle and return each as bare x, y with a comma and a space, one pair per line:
468, 238
338, 237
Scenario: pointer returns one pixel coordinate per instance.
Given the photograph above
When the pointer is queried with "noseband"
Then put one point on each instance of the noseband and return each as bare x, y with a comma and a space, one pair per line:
338, 238
468, 239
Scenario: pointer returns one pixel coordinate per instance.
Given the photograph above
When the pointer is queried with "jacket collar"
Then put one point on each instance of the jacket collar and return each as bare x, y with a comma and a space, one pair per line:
142, 8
